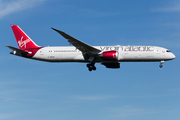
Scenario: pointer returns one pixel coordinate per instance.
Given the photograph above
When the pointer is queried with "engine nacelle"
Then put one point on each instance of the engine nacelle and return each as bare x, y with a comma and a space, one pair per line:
110, 55
112, 65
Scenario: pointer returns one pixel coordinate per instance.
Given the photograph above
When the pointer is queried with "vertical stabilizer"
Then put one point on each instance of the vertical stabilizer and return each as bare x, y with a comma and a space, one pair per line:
23, 40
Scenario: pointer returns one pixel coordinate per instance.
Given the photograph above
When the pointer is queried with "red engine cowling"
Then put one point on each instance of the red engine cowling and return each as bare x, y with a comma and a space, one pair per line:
110, 55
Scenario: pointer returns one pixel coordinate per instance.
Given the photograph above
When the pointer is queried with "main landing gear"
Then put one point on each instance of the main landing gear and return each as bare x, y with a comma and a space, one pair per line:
161, 64
91, 67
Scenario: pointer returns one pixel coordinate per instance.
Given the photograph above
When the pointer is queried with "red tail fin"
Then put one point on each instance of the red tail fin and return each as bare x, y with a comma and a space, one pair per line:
23, 40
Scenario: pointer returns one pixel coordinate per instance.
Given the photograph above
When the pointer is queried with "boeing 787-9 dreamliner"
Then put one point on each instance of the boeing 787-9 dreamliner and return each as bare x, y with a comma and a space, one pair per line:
109, 56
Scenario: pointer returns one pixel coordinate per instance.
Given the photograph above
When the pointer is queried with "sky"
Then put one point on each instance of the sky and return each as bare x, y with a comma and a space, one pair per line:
31, 89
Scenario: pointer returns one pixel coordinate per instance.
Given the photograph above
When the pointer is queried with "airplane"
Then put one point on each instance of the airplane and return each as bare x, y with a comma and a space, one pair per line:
109, 56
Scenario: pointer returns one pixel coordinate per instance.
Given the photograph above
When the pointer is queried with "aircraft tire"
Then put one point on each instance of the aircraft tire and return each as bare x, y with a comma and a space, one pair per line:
160, 66
90, 69
88, 65
94, 68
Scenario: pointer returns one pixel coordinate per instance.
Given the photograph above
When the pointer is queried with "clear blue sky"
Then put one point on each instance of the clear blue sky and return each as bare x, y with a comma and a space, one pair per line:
34, 90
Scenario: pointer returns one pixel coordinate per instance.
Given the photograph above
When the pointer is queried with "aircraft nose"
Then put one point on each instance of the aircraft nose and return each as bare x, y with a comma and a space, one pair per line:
173, 56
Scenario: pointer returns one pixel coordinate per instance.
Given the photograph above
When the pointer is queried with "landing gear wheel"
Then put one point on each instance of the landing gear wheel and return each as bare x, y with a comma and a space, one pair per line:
91, 67
88, 65
161, 66
94, 68
161, 62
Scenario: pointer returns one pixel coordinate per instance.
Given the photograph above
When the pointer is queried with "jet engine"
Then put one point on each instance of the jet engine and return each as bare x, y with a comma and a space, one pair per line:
112, 65
110, 55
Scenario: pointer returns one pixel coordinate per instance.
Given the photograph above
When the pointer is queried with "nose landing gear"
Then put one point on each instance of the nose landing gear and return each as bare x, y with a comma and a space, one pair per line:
161, 62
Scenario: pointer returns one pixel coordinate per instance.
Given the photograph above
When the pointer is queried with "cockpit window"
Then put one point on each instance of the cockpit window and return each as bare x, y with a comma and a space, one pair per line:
168, 51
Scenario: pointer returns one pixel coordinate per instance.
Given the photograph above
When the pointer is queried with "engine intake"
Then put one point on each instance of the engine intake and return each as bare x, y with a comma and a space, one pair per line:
110, 55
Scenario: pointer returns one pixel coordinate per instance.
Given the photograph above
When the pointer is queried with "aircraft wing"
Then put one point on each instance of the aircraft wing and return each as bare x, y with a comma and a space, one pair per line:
83, 47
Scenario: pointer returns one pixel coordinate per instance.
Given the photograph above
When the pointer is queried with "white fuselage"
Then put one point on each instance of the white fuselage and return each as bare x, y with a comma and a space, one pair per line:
125, 54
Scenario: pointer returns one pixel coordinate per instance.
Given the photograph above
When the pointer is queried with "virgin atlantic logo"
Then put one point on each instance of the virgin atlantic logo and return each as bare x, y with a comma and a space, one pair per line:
22, 43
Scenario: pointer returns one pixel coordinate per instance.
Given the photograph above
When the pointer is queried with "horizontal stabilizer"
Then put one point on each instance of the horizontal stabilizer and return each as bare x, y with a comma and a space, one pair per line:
17, 50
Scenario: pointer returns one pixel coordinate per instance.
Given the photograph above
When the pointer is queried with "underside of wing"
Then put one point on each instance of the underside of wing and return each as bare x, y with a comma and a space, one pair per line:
83, 47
